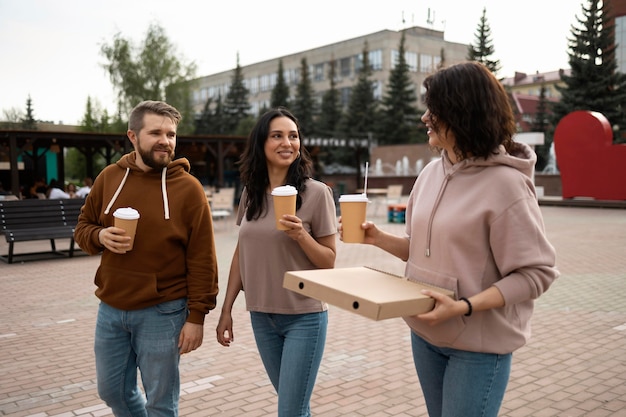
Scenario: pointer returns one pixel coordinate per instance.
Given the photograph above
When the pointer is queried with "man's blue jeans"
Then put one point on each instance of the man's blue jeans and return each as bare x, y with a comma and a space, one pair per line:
147, 340
291, 348
458, 383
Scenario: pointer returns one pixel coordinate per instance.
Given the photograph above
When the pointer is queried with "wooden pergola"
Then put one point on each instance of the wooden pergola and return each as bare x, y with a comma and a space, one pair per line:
217, 153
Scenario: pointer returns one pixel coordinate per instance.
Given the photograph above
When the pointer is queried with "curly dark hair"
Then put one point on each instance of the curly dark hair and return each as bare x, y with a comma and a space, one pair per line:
253, 165
469, 101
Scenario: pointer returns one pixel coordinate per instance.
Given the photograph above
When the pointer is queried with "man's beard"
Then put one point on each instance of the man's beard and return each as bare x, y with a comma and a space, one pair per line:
148, 159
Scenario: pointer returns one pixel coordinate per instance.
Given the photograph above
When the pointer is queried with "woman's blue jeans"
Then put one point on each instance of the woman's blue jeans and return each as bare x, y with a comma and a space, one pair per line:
291, 348
147, 340
458, 383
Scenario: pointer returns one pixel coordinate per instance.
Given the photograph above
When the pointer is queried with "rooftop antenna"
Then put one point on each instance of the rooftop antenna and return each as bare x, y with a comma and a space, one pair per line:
430, 20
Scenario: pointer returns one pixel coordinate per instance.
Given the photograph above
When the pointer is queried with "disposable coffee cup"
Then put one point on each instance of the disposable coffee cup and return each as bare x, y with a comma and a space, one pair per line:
126, 218
353, 210
284, 203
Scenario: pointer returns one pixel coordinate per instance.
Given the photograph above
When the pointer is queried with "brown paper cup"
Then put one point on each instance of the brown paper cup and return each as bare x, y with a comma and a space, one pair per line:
130, 226
352, 217
284, 204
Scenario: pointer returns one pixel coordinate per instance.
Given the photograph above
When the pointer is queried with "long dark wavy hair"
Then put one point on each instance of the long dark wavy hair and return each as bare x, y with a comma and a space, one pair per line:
253, 165
467, 100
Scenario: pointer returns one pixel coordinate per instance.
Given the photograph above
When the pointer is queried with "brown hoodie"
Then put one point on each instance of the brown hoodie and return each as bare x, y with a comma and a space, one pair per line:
174, 250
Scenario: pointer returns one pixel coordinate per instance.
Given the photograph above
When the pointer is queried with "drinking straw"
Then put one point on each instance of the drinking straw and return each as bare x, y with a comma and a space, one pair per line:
365, 185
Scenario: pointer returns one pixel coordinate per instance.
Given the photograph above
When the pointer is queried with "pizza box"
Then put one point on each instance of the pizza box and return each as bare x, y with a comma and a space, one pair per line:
371, 293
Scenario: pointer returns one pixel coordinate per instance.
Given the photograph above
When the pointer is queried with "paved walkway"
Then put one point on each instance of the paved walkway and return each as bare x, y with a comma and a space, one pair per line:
575, 364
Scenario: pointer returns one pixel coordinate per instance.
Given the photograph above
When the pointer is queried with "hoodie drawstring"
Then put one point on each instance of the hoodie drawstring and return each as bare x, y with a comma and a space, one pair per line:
432, 214
166, 206
117, 192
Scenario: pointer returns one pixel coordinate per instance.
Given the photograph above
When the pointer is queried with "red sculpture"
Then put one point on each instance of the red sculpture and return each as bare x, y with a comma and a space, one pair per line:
590, 164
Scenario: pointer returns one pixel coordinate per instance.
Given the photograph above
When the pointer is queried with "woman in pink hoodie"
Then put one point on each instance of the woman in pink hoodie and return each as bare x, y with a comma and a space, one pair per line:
473, 225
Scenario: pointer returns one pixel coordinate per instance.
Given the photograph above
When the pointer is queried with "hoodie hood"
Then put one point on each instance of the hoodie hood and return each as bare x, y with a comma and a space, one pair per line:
128, 163
523, 160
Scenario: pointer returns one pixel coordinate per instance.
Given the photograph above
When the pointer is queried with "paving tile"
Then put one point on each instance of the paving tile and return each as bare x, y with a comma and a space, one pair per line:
573, 365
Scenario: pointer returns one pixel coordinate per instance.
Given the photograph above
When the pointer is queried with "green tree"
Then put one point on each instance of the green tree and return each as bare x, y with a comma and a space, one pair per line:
399, 116
28, 121
482, 48
330, 111
359, 120
541, 123
236, 105
594, 83
205, 121
304, 106
280, 92
146, 72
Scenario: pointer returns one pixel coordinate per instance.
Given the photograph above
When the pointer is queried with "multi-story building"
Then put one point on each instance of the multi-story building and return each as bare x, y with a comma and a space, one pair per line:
425, 49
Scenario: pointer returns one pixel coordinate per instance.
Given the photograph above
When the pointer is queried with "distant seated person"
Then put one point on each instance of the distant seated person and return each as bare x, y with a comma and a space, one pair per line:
55, 191
84, 190
71, 190
39, 188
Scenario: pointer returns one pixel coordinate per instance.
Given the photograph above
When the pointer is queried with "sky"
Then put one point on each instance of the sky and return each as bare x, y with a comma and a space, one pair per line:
50, 49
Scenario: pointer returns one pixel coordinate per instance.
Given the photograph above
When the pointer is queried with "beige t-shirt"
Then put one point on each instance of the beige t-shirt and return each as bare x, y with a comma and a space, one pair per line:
265, 253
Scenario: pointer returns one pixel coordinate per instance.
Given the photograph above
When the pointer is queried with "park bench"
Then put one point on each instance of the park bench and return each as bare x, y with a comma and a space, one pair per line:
33, 219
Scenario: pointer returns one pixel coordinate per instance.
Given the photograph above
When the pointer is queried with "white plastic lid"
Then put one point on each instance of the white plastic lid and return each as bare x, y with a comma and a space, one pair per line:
353, 198
284, 190
126, 213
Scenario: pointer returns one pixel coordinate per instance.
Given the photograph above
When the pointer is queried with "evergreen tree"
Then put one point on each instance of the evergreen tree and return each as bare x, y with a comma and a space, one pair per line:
204, 122
28, 121
399, 117
541, 123
90, 119
330, 112
236, 105
219, 117
304, 105
359, 120
594, 83
483, 48
280, 92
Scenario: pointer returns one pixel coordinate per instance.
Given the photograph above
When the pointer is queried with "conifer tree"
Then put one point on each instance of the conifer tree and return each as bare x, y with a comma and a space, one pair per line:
28, 121
483, 48
594, 83
360, 117
280, 92
304, 105
205, 120
399, 115
236, 105
330, 112
541, 123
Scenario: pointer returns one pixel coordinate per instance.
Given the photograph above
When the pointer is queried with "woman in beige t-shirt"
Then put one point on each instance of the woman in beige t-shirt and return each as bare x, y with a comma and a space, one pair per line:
289, 329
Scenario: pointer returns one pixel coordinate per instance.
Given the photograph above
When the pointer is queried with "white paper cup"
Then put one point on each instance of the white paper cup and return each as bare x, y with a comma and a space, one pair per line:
353, 212
126, 218
284, 203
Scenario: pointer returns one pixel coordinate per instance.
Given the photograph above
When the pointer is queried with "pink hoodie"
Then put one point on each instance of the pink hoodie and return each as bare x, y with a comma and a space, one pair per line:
474, 225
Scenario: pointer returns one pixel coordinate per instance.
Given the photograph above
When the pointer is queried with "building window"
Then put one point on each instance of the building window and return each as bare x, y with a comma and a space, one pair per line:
265, 83
345, 96
345, 67
378, 90
426, 63
409, 57
376, 60
318, 72
254, 85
